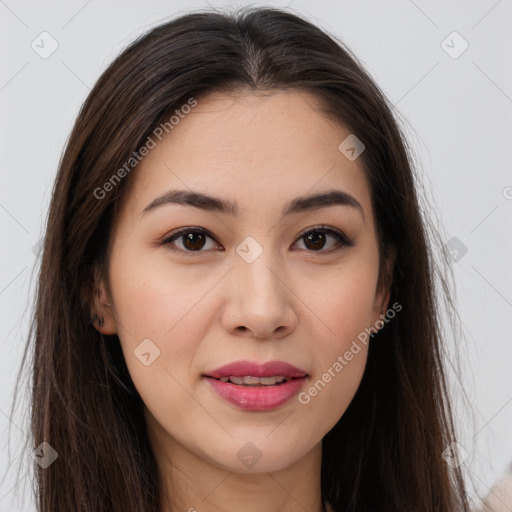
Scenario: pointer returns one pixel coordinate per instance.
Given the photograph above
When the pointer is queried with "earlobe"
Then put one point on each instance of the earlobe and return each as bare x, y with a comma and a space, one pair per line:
385, 302
102, 314
383, 295
97, 320
381, 305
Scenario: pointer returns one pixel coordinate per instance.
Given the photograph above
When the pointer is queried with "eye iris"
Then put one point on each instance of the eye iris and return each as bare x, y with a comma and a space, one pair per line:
192, 238
317, 238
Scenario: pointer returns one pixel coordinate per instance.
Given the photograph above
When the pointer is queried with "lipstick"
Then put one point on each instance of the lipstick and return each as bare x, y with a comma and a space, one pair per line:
258, 387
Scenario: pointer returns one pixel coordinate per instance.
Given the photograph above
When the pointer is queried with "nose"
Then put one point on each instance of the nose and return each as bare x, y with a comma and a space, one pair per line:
260, 303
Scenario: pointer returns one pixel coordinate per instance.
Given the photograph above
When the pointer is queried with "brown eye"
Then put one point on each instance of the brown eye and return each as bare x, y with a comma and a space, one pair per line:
316, 239
192, 240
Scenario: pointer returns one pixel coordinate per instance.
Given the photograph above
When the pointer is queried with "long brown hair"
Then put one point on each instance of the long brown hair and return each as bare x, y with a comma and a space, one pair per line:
385, 452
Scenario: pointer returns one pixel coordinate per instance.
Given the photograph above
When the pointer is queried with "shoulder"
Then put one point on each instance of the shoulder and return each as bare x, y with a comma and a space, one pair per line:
500, 497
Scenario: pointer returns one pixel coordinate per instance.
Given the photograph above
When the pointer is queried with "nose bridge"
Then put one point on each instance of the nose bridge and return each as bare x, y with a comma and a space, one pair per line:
260, 300
260, 279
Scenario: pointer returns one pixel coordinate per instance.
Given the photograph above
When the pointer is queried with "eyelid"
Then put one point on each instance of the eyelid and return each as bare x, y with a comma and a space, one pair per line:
167, 241
343, 240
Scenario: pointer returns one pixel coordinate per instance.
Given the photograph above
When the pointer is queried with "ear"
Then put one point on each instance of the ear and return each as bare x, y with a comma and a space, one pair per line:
383, 293
102, 313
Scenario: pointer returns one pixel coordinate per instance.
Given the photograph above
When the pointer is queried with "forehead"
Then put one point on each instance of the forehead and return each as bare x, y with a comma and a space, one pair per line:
250, 147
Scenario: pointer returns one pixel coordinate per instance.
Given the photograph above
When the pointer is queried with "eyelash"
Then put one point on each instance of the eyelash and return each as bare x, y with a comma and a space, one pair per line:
343, 240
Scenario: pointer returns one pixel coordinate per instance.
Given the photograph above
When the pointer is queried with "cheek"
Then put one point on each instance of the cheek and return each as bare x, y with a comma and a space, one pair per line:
343, 301
330, 392
155, 300
341, 343
158, 312
161, 322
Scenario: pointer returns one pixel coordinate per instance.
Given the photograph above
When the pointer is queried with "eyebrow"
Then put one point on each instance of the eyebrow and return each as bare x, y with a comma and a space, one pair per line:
210, 203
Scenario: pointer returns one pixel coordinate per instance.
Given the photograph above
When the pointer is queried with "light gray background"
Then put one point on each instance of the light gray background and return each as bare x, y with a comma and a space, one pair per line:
457, 112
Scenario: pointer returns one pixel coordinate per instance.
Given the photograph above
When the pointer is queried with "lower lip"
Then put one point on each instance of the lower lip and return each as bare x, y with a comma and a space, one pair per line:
257, 398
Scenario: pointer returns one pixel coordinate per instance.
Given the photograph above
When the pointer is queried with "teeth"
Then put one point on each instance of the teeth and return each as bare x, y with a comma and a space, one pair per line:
270, 381
250, 380
254, 381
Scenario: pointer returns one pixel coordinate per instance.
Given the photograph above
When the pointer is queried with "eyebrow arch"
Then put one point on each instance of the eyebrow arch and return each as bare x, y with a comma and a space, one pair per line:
297, 205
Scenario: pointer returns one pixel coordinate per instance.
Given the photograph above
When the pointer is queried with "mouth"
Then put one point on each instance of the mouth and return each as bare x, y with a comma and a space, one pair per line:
256, 382
253, 386
253, 372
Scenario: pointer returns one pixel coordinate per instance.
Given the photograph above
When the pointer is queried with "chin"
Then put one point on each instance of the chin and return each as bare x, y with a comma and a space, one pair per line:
258, 456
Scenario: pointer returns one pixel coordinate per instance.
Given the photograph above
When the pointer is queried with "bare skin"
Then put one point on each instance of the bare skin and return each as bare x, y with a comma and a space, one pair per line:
203, 306
499, 498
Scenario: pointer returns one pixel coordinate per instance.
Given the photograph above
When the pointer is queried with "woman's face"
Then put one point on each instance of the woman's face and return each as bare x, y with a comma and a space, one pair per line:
252, 277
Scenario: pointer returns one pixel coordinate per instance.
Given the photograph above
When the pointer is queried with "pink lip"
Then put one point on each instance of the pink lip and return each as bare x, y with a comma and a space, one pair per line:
257, 398
255, 369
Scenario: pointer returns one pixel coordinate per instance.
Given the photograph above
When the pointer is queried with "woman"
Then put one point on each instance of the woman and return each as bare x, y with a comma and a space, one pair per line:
237, 295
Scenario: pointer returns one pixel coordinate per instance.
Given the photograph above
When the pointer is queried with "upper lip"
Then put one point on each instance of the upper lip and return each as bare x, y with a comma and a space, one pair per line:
255, 369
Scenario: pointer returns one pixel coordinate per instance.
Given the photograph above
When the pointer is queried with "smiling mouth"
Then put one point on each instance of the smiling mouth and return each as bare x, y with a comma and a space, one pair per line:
255, 382
249, 392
